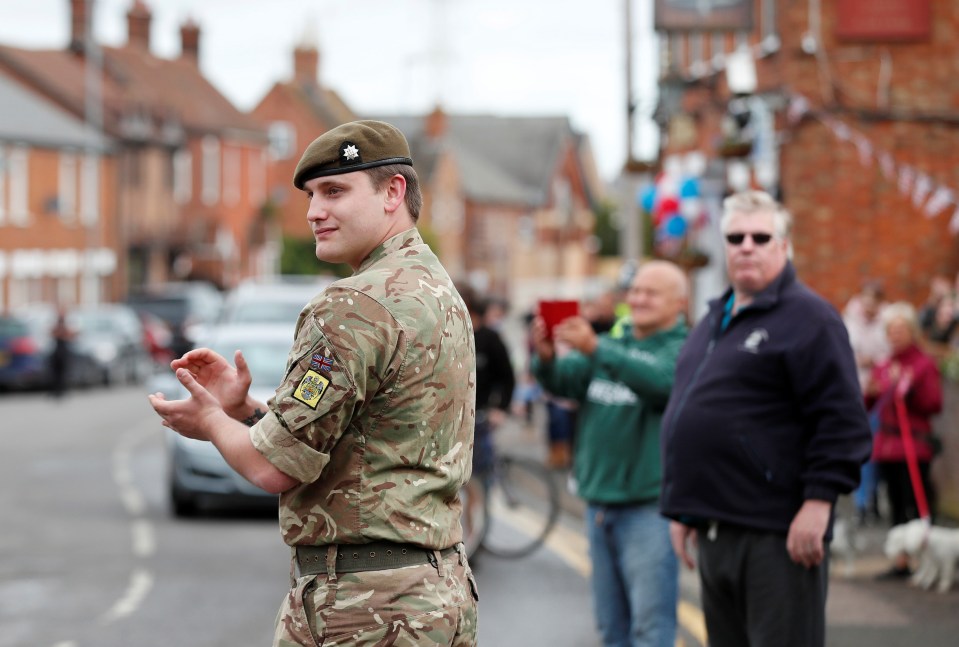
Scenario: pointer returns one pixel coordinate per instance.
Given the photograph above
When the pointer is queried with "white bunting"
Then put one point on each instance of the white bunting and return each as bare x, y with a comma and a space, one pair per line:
864, 146
841, 130
887, 165
921, 189
911, 183
906, 176
941, 198
798, 107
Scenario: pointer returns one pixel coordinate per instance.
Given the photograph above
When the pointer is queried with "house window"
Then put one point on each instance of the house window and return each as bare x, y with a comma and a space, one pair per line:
18, 179
768, 18
90, 190
211, 170
3, 185
231, 175
67, 199
718, 49
527, 230
562, 202
66, 289
182, 176
696, 47
18, 293
282, 140
3, 267
257, 176
135, 166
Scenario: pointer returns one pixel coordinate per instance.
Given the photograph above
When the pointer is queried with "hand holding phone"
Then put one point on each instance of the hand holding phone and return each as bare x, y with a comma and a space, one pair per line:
556, 311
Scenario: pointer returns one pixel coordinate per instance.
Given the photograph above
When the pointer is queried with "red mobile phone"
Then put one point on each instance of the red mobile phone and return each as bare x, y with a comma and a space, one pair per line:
553, 312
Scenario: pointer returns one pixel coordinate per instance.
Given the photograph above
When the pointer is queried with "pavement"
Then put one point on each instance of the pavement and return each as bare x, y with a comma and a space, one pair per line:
861, 610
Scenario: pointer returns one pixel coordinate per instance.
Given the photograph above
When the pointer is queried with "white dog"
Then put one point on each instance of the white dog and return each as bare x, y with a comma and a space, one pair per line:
936, 548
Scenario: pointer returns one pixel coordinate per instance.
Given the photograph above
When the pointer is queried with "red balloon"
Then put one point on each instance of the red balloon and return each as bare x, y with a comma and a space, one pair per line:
669, 205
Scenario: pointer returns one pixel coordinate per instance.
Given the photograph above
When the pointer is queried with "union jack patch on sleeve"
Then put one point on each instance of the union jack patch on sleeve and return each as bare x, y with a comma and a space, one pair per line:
321, 362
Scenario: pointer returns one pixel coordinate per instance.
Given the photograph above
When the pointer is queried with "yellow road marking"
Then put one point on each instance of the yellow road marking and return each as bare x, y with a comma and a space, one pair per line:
691, 618
572, 548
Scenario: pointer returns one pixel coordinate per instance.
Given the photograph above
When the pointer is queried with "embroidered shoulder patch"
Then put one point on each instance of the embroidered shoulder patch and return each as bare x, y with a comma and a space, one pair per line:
311, 388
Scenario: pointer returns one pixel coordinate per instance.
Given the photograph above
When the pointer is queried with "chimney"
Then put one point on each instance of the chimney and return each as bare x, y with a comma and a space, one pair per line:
81, 19
436, 123
190, 41
138, 26
306, 65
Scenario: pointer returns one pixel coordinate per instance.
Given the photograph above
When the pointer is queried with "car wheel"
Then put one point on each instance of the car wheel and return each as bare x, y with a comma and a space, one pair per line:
184, 505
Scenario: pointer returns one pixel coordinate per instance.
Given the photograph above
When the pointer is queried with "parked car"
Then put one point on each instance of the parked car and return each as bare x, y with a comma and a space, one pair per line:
39, 319
197, 473
22, 363
187, 307
278, 300
112, 334
158, 338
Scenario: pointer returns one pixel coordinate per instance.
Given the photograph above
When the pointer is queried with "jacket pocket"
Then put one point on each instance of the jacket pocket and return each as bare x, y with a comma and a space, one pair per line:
755, 459
779, 464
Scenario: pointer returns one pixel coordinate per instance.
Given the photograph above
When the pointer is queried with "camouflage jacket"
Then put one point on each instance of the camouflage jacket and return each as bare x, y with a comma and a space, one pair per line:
375, 415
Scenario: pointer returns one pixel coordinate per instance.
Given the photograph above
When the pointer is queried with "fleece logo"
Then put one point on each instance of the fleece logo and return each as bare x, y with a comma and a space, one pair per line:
753, 340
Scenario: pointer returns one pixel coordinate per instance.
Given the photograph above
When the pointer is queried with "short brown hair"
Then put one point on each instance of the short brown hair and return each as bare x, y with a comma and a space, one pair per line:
380, 175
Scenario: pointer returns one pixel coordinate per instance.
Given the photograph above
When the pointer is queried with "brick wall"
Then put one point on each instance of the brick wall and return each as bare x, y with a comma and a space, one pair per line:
852, 221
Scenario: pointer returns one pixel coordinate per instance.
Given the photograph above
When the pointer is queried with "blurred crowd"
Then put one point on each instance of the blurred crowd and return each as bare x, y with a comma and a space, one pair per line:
899, 350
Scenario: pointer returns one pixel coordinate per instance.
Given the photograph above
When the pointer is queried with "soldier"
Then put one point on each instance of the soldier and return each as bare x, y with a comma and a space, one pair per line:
369, 437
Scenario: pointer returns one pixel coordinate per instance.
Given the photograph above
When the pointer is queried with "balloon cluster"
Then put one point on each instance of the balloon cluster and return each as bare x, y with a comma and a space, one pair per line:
675, 206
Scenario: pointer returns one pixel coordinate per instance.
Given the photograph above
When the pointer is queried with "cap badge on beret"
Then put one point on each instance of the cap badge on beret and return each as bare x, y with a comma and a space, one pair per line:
350, 153
353, 146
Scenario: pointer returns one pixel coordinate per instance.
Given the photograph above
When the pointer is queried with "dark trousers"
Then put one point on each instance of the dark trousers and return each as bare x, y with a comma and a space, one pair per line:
902, 498
753, 595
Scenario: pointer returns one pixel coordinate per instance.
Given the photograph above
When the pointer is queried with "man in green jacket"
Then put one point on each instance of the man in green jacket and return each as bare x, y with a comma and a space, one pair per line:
622, 384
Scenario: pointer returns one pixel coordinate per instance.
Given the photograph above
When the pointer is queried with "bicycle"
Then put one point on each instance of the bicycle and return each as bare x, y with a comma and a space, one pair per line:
510, 511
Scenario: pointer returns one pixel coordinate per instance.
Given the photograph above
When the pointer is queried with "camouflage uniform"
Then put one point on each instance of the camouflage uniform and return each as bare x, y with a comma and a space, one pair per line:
375, 419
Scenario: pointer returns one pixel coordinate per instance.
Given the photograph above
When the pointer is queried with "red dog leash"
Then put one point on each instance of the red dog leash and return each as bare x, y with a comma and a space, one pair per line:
910, 448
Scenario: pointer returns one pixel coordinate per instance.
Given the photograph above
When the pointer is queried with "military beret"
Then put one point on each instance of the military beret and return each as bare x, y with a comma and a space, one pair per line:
352, 147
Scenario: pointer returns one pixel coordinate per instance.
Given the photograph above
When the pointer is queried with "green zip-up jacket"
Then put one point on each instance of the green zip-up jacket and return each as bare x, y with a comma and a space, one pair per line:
622, 390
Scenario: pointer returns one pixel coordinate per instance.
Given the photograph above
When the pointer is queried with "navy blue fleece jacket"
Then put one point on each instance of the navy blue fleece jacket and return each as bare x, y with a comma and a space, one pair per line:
765, 413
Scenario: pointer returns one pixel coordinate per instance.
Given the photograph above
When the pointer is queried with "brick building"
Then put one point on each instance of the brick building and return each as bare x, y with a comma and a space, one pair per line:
189, 167
847, 110
296, 112
58, 225
510, 200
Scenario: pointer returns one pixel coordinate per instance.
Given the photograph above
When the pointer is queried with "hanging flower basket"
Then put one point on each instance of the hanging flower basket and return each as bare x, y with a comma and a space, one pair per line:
735, 149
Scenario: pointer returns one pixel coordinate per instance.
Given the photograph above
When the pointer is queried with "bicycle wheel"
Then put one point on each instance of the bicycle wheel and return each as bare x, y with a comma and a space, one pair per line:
523, 502
475, 515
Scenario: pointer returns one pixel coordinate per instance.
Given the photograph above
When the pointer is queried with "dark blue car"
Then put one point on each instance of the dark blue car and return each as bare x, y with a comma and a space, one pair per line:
22, 361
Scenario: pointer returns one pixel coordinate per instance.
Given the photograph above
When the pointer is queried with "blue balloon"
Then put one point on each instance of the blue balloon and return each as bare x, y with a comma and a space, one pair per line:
647, 198
676, 226
689, 188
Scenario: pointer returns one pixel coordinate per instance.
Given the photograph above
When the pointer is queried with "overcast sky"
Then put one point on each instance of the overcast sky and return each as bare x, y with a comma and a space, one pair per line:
505, 57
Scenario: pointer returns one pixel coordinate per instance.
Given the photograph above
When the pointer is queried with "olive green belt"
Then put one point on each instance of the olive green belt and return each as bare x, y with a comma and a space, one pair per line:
375, 556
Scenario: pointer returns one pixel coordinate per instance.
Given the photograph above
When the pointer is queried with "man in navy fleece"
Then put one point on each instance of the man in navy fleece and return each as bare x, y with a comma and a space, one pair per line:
764, 429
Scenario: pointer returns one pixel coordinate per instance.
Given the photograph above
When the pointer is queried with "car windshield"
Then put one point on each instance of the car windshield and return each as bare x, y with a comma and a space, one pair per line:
96, 322
267, 360
172, 309
266, 312
12, 327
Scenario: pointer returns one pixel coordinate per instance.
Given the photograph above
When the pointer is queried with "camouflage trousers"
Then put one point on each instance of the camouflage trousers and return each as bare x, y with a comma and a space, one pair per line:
414, 606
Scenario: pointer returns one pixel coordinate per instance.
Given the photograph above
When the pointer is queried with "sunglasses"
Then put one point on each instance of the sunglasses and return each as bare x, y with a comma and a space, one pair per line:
758, 238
